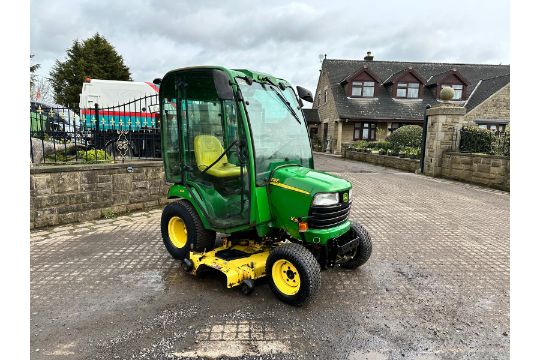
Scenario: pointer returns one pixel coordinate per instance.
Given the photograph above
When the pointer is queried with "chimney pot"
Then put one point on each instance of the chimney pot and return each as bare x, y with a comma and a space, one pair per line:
368, 57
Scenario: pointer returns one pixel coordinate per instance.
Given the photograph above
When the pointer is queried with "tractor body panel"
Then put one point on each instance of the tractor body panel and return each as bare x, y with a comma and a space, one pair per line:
291, 191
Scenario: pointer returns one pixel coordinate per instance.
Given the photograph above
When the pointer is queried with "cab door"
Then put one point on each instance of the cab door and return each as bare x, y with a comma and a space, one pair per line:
212, 133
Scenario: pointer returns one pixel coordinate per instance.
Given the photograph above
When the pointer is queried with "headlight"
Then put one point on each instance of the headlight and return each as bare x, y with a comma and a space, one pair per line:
326, 199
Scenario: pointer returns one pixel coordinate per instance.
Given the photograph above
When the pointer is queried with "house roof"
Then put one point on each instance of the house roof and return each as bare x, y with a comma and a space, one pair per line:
384, 106
484, 89
435, 79
312, 116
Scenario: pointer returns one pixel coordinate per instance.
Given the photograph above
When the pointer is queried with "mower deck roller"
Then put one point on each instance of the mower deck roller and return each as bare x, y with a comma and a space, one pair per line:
236, 149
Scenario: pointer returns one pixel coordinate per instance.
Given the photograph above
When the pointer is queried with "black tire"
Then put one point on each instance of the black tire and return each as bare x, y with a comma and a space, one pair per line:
307, 267
197, 236
363, 251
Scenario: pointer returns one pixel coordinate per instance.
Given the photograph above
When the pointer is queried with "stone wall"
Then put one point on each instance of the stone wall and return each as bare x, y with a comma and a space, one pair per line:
410, 165
495, 107
487, 170
62, 194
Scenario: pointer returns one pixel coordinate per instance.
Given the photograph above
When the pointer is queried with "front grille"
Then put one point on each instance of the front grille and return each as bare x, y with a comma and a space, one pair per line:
321, 217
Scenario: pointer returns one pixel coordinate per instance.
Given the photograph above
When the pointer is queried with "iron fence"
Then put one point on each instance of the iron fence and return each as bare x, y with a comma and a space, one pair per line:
483, 141
123, 131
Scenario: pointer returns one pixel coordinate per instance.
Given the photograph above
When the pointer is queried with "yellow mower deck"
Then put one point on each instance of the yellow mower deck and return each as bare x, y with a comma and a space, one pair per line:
239, 262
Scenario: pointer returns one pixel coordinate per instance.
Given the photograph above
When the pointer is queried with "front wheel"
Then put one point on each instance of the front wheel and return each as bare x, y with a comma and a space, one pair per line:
363, 250
294, 273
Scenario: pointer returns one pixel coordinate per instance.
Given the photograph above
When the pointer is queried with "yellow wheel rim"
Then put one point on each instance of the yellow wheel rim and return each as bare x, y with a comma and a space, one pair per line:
178, 232
286, 277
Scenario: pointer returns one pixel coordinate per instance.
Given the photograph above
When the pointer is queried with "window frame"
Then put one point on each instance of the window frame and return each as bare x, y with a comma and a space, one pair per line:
361, 126
362, 86
407, 89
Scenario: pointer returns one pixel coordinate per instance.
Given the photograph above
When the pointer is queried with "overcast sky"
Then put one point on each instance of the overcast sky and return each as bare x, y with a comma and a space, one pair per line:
283, 38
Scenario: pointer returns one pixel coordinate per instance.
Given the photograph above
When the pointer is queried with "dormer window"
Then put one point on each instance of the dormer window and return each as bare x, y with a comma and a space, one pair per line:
458, 90
363, 88
407, 90
361, 83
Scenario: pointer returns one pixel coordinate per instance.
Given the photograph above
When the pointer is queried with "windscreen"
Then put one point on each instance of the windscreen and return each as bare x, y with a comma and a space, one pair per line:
278, 128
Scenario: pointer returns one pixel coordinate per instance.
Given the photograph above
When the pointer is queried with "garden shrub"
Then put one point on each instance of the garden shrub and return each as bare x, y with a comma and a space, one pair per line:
359, 145
408, 135
379, 145
476, 140
412, 152
93, 155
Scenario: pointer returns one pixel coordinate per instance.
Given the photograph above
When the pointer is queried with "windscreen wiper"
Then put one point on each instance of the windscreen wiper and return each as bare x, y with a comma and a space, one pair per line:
289, 107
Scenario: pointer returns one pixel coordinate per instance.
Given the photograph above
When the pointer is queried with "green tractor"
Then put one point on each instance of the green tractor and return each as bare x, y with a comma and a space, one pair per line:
236, 149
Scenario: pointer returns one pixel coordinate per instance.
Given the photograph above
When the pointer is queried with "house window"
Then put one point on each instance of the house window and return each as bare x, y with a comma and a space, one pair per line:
394, 126
458, 91
496, 128
364, 131
407, 90
363, 88
325, 96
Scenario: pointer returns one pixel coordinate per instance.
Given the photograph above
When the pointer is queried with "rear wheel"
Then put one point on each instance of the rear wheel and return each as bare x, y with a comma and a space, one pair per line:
294, 273
182, 228
362, 252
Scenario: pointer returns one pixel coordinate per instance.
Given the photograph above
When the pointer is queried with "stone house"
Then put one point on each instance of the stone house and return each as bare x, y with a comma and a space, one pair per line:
368, 99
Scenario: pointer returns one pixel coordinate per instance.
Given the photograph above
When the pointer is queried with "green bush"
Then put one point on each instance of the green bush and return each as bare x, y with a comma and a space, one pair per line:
412, 152
408, 135
359, 145
93, 155
378, 145
476, 140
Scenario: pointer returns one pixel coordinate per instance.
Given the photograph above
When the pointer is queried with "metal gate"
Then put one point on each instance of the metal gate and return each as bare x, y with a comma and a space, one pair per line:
124, 131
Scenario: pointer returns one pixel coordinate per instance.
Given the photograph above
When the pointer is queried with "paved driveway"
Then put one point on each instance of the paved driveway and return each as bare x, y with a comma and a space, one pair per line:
436, 286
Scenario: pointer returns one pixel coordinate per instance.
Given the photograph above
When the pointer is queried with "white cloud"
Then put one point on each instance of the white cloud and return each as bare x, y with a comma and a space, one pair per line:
279, 37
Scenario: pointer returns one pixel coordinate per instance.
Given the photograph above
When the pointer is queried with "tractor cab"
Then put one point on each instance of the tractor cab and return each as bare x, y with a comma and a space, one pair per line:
236, 148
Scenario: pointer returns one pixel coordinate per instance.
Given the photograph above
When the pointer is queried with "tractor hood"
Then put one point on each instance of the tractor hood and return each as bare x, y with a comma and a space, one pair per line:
305, 180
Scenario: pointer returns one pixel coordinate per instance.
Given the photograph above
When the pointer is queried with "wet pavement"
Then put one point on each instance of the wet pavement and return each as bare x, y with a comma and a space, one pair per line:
436, 286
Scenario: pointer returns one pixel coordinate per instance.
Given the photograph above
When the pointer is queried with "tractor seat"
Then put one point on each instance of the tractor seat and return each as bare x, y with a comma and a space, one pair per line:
207, 150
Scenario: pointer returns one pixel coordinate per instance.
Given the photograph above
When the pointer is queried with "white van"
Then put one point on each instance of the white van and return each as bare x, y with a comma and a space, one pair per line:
108, 93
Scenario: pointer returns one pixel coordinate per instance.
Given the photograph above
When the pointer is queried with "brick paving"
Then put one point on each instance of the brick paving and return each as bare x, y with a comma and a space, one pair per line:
436, 286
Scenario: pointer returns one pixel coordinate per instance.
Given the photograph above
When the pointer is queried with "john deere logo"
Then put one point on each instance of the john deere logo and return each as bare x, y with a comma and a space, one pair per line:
345, 197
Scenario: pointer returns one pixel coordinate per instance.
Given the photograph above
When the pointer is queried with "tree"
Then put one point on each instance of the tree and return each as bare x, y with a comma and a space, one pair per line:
95, 58
33, 69
42, 91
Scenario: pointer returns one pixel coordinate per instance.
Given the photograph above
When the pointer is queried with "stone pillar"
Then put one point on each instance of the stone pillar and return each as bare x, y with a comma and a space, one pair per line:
339, 130
444, 122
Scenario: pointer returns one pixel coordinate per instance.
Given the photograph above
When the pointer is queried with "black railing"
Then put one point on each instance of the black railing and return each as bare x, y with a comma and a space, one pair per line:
120, 132
483, 141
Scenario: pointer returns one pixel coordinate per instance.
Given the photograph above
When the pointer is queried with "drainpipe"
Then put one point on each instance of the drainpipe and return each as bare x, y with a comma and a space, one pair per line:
424, 135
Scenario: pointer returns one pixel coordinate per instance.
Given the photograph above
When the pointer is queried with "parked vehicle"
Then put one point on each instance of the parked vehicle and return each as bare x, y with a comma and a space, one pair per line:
108, 107
59, 122
123, 105
238, 155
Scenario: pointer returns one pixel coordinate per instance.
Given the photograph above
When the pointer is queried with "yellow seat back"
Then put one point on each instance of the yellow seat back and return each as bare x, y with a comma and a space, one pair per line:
207, 150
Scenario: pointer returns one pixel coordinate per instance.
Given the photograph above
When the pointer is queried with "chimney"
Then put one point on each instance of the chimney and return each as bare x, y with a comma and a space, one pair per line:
368, 57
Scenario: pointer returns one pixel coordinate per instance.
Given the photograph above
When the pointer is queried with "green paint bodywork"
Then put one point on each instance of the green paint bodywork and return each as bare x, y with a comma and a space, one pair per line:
289, 206
271, 207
